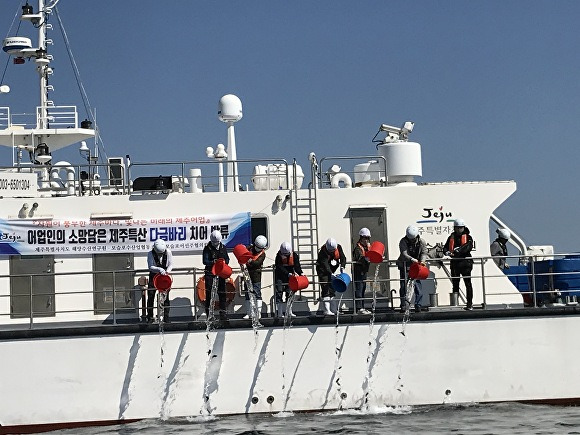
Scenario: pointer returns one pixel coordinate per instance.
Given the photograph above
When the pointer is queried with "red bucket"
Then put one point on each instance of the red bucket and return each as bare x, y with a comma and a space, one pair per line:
298, 282
221, 269
418, 271
242, 254
376, 252
162, 282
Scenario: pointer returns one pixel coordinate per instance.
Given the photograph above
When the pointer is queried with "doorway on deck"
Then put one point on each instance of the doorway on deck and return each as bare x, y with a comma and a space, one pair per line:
373, 218
35, 288
113, 280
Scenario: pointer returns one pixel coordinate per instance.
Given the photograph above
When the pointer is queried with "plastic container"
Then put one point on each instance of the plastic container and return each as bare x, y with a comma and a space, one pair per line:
298, 282
162, 282
567, 275
221, 269
242, 254
418, 271
376, 252
340, 282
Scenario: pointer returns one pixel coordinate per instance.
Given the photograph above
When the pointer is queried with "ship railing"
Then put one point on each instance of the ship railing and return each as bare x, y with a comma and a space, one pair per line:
56, 117
200, 176
83, 305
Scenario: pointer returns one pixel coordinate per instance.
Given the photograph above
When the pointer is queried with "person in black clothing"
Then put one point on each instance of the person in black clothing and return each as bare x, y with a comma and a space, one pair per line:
330, 258
159, 260
212, 252
458, 246
360, 265
254, 266
287, 263
499, 249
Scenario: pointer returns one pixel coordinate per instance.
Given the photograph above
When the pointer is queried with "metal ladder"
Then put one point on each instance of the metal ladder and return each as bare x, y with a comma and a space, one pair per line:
304, 219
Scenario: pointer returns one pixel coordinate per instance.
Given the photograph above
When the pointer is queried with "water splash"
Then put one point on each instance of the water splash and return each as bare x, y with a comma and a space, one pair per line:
209, 327
370, 354
338, 353
410, 287
254, 309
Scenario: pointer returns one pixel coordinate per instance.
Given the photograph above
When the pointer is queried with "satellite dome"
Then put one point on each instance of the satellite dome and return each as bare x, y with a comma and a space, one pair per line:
230, 108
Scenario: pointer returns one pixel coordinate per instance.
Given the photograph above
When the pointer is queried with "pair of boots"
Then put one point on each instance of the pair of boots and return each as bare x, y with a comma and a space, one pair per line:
249, 313
281, 310
329, 305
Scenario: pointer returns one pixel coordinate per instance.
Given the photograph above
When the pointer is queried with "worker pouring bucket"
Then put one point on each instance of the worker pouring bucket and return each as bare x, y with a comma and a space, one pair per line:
418, 271
376, 252
298, 282
221, 269
162, 282
242, 254
340, 282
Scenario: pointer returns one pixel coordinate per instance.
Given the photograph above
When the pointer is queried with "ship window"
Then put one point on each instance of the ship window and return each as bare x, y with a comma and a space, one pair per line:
259, 227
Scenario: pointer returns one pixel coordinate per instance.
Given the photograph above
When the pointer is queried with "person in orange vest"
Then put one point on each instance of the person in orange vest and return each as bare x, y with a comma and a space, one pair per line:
287, 263
330, 258
360, 266
458, 246
254, 266
413, 249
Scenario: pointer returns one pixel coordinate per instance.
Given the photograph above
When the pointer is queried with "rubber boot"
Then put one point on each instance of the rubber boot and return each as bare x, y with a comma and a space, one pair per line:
280, 309
291, 313
259, 303
327, 310
248, 310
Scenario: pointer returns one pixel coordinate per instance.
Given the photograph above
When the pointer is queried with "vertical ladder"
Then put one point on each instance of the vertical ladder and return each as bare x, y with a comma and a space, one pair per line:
303, 212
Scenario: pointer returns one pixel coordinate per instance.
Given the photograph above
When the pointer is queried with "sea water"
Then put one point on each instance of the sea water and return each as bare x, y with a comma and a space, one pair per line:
506, 418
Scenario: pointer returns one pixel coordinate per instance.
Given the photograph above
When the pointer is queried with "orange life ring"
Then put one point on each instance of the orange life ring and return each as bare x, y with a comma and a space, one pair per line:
230, 291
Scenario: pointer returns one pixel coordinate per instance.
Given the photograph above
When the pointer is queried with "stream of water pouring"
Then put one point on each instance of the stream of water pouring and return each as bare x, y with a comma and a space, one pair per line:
254, 310
370, 354
209, 326
338, 353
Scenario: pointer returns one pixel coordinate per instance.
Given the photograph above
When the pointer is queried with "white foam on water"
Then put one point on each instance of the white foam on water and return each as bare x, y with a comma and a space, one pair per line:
372, 409
201, 418
283, 414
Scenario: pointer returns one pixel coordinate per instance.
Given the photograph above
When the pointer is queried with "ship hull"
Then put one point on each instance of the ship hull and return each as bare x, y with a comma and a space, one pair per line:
101, 375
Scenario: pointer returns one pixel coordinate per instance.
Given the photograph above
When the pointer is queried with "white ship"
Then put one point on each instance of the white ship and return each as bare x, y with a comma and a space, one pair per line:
74, 240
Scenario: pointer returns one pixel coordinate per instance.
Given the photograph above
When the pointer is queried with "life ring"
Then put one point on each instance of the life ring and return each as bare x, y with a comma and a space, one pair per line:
337, 178
230, 292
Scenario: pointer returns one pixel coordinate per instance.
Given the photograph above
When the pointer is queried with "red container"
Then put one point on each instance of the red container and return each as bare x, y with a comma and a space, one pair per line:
376, 252
221, 269
162, 282
297, 282
242, 254
418, 271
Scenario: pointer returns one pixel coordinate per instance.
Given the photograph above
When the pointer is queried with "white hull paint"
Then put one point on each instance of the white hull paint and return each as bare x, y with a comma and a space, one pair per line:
121, 377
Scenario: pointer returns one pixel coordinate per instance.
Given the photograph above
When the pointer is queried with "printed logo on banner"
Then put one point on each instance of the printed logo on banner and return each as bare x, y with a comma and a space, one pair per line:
78, 236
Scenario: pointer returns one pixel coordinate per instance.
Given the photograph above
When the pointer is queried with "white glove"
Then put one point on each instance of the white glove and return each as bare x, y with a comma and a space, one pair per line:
414, 260
163, 272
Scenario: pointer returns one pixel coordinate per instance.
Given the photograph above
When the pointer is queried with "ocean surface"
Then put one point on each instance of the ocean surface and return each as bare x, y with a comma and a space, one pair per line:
455, 419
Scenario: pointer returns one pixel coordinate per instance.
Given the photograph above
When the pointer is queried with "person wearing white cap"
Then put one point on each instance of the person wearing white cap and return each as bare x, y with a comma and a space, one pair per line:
413, 249
287, 263
159, 260
458, 246
212, 252
254, 266
330, 258
499, 249
360, 266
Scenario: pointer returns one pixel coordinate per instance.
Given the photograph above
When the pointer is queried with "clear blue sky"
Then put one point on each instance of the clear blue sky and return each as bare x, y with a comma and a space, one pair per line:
493, 87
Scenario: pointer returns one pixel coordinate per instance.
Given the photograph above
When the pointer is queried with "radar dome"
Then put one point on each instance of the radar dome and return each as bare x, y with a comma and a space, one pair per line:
230, 108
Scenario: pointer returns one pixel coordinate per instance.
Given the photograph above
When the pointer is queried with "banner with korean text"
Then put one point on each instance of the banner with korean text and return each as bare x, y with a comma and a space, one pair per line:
78, 236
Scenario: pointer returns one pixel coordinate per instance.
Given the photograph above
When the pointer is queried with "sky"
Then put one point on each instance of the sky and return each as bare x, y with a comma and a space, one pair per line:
492, 86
